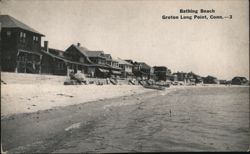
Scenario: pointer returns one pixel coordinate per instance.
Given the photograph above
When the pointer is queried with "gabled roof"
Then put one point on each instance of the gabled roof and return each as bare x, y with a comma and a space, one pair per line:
123, 62
82, 50
212, 77
129, 60
87, 53
95, 54
10, 22
144, 65
65, 60
108, 56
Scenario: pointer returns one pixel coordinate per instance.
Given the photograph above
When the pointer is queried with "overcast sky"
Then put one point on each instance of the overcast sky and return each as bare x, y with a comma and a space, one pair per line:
135, 30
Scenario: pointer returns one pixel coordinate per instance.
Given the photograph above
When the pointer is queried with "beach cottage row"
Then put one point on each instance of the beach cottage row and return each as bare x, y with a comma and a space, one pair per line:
21, 52
79, 59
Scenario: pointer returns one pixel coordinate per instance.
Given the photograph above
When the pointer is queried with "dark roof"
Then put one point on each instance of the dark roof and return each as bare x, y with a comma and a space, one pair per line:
87, 53
95, 54
123, 62
144, 65
129, 60
82, 50
57, 52
65, 60
211, 77
108, 56
160, 67
240, 78
10, 22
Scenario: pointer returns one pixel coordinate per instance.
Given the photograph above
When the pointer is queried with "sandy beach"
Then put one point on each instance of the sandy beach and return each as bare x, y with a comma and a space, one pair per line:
41, 92
122, 118
26, 93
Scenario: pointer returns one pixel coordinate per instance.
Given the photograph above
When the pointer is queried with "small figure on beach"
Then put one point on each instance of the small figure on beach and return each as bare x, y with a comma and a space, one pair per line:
71, 75
107, 80
170, 112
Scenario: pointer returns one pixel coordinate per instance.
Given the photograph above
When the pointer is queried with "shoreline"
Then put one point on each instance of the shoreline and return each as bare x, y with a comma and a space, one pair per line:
32, 93
15, 100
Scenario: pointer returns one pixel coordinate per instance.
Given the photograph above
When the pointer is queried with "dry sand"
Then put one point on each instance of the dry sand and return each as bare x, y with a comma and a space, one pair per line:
26, 93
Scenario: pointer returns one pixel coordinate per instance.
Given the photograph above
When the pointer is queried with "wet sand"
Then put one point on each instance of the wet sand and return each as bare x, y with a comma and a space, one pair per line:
201, 119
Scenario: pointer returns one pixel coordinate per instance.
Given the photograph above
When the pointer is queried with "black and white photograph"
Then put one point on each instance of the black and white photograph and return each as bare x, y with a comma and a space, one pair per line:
115, 76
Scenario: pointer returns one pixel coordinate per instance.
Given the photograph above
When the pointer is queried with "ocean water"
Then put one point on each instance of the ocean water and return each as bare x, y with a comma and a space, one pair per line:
202, 119
185, 119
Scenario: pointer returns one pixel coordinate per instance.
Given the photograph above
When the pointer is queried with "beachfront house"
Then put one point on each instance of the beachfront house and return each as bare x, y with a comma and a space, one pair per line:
96, 61
162, 73
126, 68
188, 78
55, 62
239, 81
210, 80
181, 76
20, 46
193, 78
142, 70
116, 71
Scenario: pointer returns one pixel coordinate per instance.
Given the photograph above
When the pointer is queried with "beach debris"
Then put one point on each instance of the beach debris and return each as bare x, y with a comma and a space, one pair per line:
65, 95
33, 105
154, 87
91, 82
131, 81
141, 82
113, 81
162, 83
76, 79
99, 83
73, 126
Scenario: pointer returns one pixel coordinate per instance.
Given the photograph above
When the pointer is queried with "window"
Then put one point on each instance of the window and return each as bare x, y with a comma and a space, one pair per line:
35, 38
8, 34
60, 66
22, 37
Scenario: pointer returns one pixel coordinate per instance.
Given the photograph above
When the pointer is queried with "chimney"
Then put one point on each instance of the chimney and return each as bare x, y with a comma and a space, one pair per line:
78, 44
46, 47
